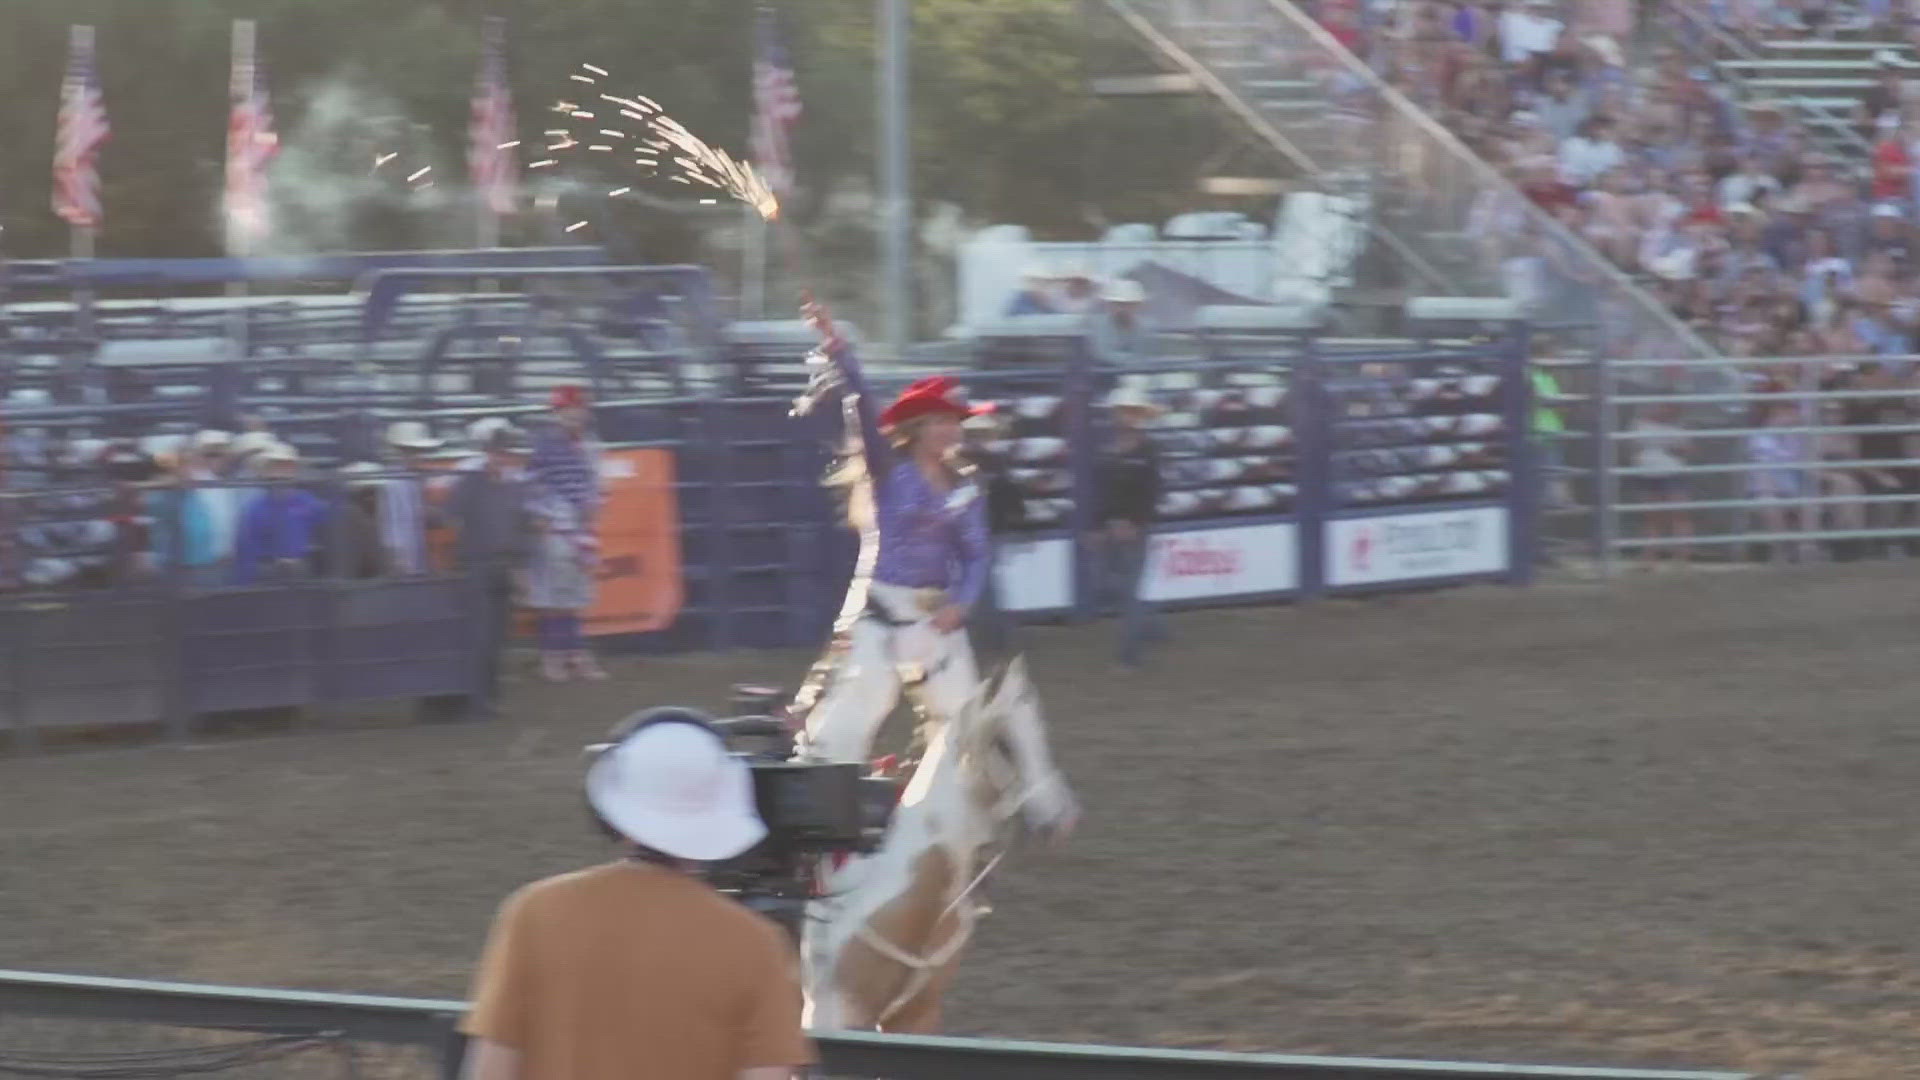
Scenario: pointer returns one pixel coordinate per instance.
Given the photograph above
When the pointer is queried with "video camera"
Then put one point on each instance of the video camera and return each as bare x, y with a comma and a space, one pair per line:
811, 809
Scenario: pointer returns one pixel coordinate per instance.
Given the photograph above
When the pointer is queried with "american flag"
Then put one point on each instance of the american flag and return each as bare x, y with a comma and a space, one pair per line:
495, 168
81, 131
251, 144
776, 107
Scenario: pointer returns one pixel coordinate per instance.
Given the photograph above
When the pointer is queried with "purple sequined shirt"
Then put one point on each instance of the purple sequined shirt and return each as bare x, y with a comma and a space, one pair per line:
928, 539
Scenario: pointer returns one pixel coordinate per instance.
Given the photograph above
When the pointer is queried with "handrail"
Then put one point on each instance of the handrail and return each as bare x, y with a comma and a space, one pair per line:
1492, 177
1689, 12
1536, 218
1232, 100
430, 1023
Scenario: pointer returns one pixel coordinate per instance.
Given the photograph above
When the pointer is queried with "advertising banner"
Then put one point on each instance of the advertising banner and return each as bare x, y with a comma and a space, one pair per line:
1409, 547
1035, 575
1235, 561
640, 584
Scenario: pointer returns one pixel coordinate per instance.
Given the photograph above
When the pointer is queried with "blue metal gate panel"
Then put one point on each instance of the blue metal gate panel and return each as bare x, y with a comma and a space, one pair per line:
253, 648
405, 638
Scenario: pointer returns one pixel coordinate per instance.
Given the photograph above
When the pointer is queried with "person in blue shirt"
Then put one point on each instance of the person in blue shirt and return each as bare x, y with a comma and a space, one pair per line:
281, 530
924, 560
1032, 299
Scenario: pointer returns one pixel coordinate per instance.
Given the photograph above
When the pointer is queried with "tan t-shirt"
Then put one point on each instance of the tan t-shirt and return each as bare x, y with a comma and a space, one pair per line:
634, 972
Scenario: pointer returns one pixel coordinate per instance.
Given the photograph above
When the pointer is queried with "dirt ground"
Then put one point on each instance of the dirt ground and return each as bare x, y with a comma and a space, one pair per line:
1670, 821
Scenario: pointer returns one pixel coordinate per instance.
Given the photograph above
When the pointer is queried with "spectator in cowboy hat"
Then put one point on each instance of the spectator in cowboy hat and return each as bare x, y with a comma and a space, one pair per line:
247, 448
638, 967
1120, 331
489, 507
1127, 486
404, 508
281, 530
1033, 297
1079, 295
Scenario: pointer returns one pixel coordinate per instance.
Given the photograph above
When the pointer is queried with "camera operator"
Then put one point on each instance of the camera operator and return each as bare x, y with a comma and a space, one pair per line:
638, 969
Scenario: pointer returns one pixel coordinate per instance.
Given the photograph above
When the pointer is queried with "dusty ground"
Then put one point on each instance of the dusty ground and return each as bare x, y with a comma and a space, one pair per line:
1671, 822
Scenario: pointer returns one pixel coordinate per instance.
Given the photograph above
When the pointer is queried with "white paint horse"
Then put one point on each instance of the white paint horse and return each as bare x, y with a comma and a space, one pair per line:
881, 946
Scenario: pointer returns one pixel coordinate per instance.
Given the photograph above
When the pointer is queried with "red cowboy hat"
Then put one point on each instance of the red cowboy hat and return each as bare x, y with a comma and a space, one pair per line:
935, 395
569, 397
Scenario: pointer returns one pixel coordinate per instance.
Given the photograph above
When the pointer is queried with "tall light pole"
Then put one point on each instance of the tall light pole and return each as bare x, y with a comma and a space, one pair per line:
896, 203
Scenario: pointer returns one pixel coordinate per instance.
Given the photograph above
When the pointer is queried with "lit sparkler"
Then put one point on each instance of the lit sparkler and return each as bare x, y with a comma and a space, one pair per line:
693, 160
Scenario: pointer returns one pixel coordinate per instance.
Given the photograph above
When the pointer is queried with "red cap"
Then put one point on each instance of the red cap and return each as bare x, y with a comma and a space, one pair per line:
935, 395
569, 397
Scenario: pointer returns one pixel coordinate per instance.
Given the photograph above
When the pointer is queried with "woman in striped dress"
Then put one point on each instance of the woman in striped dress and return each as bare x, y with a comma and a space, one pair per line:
564, 481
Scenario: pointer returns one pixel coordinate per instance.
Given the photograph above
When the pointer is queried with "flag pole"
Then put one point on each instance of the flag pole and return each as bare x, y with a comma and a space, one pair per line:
80, 243
239, 230
491, 81
82, 238
896, 207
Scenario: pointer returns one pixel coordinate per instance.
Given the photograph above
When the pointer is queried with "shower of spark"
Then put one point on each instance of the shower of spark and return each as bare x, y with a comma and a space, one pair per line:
576, 226
588, 79
716, 168
382, 159
617, 192
600, 71
508, 145
695, 162
542, 163
419, 173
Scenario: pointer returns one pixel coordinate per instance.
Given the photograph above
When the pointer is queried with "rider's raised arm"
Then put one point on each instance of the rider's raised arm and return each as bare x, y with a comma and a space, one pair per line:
854, 381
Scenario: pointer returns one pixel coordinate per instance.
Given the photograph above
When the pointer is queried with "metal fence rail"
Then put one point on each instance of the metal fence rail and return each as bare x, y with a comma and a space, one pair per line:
430, 1024
1806, 459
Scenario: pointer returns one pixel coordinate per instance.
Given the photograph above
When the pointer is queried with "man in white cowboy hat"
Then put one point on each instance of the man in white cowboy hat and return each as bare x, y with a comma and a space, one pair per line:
1120, 330
1126, 485
281, 530
404, 507
1079, 293
637, 968
209, 461
489, 506
1034, 296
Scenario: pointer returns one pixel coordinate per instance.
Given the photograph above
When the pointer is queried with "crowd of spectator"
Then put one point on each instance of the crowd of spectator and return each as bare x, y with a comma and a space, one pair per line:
1767, 237
223, 509
1731, 213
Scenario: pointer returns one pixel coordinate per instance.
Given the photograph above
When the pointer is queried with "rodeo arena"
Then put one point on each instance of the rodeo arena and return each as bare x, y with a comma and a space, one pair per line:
1438, 605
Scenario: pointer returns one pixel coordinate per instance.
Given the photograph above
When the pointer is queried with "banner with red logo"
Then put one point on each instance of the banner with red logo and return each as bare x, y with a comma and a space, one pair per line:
1241, 560
1416, 546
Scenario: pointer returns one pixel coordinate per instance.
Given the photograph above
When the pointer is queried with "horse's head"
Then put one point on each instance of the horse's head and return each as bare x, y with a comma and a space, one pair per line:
1006, 736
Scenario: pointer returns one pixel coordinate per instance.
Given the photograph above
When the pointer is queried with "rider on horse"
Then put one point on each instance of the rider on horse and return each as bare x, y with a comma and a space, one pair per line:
925, 559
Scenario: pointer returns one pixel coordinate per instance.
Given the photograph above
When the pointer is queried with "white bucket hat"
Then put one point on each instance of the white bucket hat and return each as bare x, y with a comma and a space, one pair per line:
673, 787
412, 435
1132, 397
252, 442
480, 432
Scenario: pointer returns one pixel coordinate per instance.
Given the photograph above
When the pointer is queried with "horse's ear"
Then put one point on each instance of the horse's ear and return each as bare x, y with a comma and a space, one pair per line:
1015, 674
